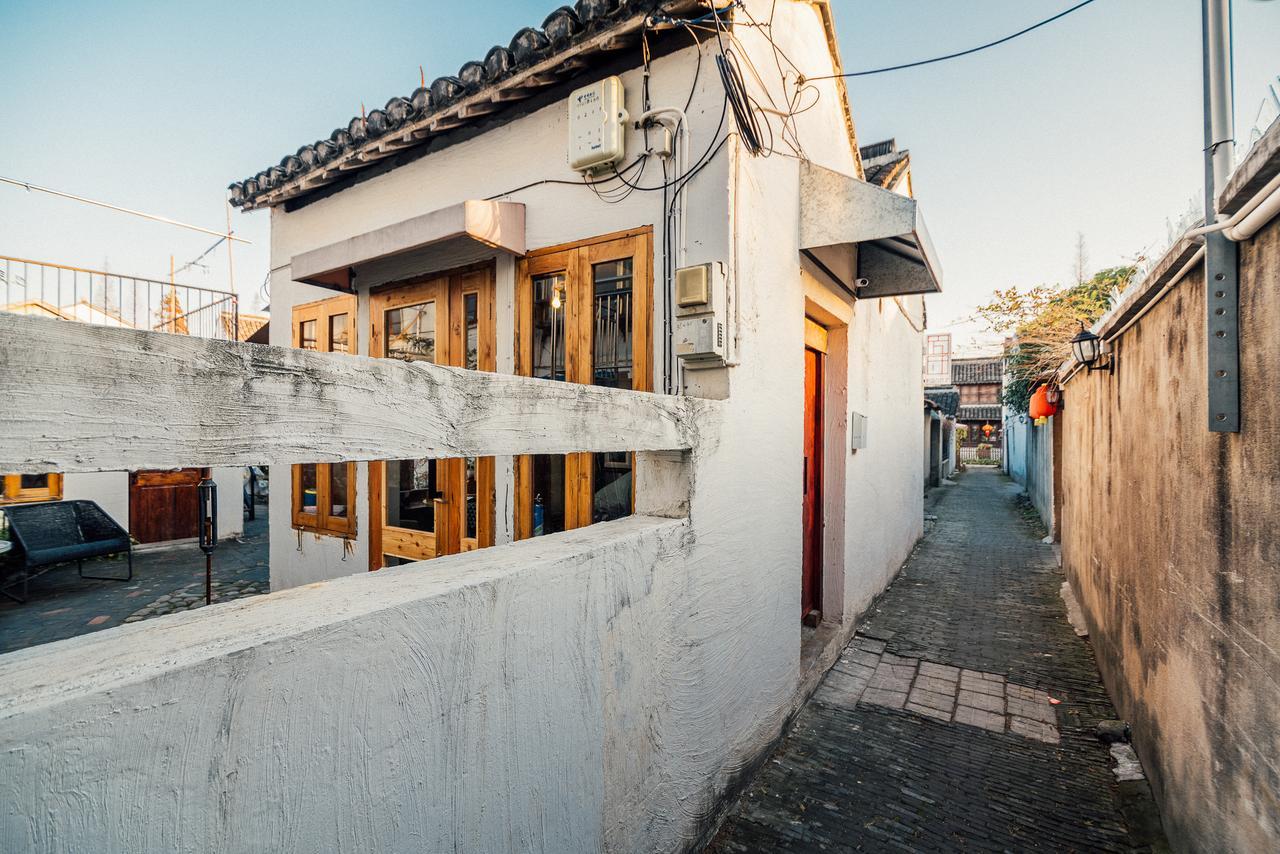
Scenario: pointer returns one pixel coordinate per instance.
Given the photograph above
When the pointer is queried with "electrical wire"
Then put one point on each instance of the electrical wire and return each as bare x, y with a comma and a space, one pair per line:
584, 182
957, 54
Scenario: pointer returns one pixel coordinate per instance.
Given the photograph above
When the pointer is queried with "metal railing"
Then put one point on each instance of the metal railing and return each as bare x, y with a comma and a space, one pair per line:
110, 299
968, 453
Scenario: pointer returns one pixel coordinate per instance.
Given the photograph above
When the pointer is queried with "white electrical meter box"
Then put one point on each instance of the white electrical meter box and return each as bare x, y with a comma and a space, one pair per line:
700, 339
597, 125
701, 298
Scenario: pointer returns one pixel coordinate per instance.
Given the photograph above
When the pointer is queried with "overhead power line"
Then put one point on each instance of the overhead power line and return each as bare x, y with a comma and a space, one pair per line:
29, 186
1007, 38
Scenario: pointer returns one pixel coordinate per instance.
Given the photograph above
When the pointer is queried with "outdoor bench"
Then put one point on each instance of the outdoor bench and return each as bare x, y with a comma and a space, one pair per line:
55, 532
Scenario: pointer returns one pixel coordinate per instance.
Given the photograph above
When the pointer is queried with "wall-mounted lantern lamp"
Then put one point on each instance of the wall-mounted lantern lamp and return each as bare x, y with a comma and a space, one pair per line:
1053, 395
207, 492
1087, 348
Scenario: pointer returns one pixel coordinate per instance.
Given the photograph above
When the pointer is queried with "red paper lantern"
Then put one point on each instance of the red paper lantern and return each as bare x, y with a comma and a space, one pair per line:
1040, 406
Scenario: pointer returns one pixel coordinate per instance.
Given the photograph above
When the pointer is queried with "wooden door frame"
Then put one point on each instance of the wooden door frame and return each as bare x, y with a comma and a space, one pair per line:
576, 260
322, 311
448, 289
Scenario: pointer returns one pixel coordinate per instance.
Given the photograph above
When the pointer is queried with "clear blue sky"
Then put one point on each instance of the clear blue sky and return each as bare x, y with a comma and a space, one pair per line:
1090, 125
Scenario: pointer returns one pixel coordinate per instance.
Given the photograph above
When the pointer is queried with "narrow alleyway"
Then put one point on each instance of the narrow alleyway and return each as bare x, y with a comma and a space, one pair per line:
935, 730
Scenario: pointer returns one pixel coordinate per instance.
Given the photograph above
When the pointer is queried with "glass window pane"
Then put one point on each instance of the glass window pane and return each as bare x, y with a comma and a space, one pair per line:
548, 494
611, 482
309, 482
338, 335
611, 363
307, 335
411, 332
338, 490
472, 528
412, 487
548, 326
471, 330
34, 481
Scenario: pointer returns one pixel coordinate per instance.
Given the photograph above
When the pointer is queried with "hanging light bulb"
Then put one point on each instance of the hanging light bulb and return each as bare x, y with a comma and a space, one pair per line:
555, 298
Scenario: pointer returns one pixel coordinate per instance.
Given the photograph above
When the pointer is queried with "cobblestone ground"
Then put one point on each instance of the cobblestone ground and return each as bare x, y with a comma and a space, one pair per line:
63, 605
960, 717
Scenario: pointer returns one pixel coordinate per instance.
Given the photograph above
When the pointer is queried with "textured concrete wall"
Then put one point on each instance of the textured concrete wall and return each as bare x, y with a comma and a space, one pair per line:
1169, 536
510, 700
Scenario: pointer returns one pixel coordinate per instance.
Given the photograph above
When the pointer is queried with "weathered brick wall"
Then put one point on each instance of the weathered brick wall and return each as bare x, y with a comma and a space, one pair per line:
1170, 536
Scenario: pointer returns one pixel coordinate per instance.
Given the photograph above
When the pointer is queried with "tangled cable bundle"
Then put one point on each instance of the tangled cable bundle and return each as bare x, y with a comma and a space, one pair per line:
744, 113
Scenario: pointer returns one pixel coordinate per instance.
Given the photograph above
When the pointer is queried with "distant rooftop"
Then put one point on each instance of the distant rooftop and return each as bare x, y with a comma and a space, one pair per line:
883, 162
977, 371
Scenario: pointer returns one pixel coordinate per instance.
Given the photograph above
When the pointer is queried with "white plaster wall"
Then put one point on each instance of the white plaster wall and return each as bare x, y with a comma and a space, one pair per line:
110, 489
230, 483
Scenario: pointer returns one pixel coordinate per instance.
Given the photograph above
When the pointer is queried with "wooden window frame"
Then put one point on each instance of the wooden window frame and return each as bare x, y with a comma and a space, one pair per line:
13, 493
321, 521
576, 260
449, 290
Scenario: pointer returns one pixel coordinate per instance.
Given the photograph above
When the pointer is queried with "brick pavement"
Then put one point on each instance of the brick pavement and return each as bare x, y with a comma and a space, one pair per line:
63, 605
960, 717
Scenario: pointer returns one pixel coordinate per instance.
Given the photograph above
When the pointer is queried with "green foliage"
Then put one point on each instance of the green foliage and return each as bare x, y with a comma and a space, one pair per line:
1042, 321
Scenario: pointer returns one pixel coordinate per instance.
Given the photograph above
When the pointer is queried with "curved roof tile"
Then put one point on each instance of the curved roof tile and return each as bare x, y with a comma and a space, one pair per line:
586, 29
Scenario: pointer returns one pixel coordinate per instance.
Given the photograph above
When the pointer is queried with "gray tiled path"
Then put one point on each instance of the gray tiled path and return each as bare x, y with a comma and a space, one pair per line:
959, 718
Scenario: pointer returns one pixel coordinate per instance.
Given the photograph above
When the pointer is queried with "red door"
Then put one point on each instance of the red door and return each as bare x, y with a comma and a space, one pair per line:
811, 585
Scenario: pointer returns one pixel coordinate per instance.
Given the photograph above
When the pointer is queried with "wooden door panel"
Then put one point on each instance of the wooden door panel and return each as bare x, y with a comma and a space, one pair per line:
577, 263
164, 505
449, 292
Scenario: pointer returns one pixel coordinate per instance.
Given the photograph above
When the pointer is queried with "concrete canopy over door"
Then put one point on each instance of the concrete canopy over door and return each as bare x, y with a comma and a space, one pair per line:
871, 241
459, 234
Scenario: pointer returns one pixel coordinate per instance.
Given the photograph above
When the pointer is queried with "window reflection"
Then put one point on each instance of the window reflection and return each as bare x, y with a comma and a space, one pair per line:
310, 482
338, 490
307, 335
338, 334
548, 326
411, 332
471, 330
611, 283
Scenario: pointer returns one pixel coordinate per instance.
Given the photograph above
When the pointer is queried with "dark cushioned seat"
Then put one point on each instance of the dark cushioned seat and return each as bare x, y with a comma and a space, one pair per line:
55, 532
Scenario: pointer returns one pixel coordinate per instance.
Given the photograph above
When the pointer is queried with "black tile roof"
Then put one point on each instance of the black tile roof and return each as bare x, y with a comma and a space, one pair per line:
984, 412
947, 398
977, 371
570, 40
882, 162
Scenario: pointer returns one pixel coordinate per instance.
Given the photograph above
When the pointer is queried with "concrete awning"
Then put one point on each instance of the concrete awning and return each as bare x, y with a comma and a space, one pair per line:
855, 231
470, 227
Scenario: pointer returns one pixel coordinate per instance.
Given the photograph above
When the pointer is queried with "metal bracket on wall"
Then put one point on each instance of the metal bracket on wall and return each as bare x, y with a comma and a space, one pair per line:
1222, 326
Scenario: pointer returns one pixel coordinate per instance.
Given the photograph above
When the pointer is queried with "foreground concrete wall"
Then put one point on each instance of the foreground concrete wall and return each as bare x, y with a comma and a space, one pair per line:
1169, 537
511, 700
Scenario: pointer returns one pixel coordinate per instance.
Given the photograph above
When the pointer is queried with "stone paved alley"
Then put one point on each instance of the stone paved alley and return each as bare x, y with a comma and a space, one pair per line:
165, 580
935, 731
